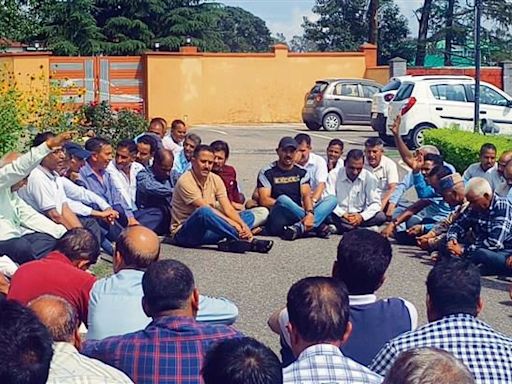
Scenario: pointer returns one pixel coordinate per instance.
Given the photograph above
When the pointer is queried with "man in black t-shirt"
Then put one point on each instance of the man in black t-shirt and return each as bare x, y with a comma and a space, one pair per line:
284, 189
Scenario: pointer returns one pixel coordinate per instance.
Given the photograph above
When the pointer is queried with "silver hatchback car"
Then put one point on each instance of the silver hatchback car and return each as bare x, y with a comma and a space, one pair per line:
333, 102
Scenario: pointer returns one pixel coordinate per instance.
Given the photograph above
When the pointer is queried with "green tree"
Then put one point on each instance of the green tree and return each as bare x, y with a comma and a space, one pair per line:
393, 34
16, 23
301, 44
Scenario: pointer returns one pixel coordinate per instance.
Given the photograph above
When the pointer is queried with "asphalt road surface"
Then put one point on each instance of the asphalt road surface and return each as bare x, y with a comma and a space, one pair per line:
258, 283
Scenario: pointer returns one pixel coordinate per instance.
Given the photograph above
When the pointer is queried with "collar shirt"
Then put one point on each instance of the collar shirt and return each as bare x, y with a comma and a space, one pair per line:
17, 218
152, 192
487, 353
498, 183
68, 366
179, 167
324, 363
386, 173
492, 228
126, 185
104, 188
317, 170
359, 196
171, 145
80, 200
475, 170
43, 192
168, 350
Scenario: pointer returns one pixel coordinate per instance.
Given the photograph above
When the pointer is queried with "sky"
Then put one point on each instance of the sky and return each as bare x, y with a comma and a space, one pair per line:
286, 16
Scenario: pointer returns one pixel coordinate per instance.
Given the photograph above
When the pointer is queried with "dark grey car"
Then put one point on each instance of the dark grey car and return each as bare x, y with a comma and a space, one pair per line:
334, 102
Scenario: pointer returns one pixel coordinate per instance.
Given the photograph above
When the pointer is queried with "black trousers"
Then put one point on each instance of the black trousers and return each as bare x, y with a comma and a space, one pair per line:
92, 225
28, 247
343, 225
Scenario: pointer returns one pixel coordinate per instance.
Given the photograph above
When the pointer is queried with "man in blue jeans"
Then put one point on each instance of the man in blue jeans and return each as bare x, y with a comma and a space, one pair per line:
489, 216
195, 218
284, 188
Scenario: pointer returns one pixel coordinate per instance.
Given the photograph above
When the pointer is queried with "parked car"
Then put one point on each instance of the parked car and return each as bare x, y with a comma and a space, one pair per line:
380, 104
447, 102
333, 102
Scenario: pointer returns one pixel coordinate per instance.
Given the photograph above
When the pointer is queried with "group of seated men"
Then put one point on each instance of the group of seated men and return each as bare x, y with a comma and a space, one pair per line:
147, 323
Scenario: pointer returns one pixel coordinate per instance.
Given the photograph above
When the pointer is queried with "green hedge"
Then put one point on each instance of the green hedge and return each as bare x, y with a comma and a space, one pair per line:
461, 148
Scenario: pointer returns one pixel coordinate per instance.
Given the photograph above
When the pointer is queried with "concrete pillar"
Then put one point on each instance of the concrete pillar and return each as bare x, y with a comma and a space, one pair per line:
397, 67
370, 53
506, 74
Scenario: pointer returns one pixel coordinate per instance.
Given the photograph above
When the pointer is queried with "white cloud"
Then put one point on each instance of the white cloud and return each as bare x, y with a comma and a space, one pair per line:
293, 26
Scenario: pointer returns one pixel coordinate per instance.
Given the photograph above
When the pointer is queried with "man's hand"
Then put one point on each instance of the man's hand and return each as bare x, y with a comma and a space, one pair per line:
109, 215
244, 232
390, 210
395, 127
60, 139
454, 248
389, 230
423, 241
355, 219
415, 230
309, 221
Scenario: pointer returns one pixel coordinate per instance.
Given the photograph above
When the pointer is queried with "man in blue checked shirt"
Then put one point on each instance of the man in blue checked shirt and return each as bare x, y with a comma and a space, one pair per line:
172, 347
453, 303
489, 216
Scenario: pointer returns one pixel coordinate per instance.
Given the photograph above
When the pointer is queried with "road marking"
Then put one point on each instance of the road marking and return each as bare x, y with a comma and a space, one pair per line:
322, 136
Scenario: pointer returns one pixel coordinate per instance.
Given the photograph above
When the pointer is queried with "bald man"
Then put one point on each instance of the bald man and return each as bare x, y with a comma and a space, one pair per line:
115, 302
26, 234
68, 365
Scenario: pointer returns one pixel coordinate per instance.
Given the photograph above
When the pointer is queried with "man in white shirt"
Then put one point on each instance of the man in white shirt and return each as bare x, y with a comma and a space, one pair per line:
497, 178
175, 139
124, 170
314, 164
318, 309
68, 365
382, 167
357, 193
58, 197
484, 168
25, 234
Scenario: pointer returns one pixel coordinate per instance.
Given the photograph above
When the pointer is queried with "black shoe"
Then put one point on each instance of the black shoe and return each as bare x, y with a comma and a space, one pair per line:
291, 233
323, 231
261, 246
235, 246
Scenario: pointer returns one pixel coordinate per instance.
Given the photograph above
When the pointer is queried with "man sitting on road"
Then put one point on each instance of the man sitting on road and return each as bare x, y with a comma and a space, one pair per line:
62, 273
453, 303
124, 170
489, 216
195, 219
183, 160
319, 325
485, 167
68, 365
76, 156
174, 140
500, 184
334, 153
115, 301
171, 348
26, 234
382, 167
362, 261
357, 195
284, 188
154, 188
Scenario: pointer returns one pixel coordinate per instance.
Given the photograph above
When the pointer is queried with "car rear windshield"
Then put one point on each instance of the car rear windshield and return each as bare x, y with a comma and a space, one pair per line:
393, 85
318, 87
404, 92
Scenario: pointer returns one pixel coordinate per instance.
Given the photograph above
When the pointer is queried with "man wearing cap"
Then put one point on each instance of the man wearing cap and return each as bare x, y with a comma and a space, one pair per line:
76, 156
451, 188
284, 188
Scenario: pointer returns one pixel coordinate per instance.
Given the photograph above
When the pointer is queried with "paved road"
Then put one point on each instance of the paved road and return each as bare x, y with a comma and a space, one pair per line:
259, 283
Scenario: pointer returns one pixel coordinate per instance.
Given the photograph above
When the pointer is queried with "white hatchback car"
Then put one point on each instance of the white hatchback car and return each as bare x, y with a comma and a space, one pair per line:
442, 102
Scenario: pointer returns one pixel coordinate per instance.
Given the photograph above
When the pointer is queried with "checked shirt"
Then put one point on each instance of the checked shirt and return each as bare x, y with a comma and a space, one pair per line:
325, 364
487, 353
169, 350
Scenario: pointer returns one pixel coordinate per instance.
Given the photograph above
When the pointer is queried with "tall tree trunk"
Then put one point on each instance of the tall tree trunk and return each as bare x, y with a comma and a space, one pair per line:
449, 33
373, 33
421, 46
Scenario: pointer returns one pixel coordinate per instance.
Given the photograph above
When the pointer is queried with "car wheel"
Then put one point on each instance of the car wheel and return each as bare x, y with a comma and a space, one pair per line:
313, 126
331, 122
388, 140
417, 136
